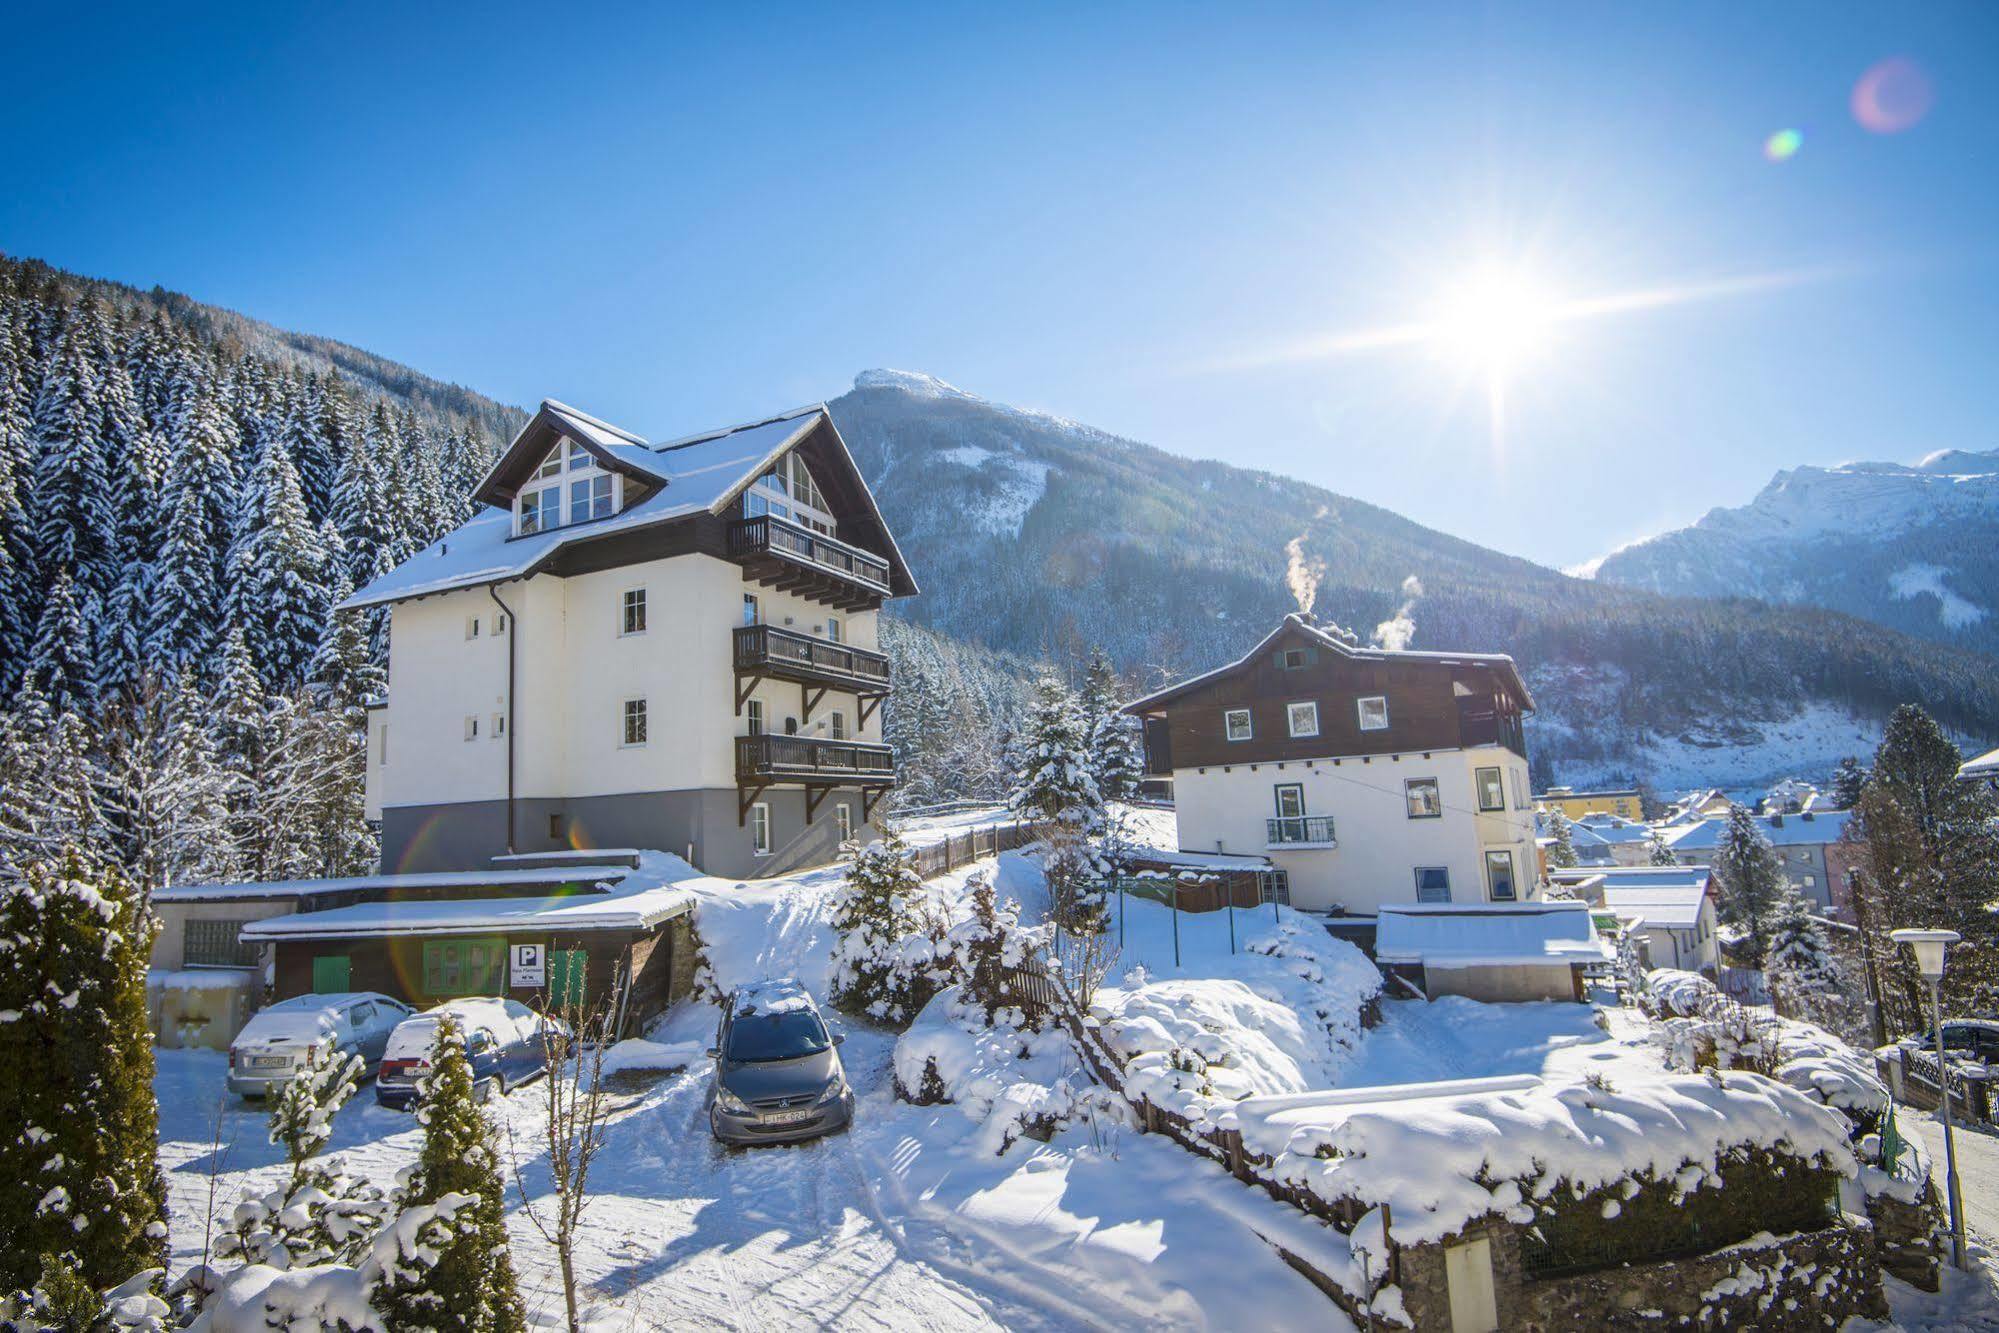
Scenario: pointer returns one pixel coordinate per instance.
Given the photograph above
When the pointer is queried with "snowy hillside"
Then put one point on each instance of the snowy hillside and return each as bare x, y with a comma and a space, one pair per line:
1037, 536
1911, 547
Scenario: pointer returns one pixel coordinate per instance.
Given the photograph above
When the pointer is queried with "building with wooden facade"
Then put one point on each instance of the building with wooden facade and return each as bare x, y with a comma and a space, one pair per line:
1369, 776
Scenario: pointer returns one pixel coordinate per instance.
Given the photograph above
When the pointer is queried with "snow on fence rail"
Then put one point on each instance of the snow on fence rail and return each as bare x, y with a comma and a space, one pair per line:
959, 849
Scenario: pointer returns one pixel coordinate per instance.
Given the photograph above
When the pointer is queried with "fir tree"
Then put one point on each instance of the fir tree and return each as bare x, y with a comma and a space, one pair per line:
876, 912
1848, 781
1804, 977
62, 662
1055, 785
79, 1175
186, 610
1752, 881
276, 565
471, 1287
1658, 851
1116, 761
75, 523
1562, 844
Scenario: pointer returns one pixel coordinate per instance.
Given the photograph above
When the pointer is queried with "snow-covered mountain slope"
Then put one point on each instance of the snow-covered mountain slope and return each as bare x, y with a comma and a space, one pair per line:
1915, 548
1035, 535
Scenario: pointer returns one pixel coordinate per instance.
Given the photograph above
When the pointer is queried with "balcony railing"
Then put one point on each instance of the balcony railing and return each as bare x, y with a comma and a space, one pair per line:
766, 650
772, 758
766, 535
1300, 831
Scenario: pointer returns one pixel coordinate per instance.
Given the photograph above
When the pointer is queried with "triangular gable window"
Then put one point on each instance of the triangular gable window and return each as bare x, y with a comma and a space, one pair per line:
568, 487
788, 491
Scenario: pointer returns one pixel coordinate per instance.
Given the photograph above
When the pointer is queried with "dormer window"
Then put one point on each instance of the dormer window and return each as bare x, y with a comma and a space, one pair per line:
788, 491
567, 488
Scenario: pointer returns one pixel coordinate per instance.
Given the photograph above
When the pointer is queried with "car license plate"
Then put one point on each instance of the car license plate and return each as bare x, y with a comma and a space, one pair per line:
269, 1061
785, 1117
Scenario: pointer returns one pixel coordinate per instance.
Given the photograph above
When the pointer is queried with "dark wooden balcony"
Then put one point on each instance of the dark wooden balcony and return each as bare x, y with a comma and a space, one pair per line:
765, 652
816, 763
787, 557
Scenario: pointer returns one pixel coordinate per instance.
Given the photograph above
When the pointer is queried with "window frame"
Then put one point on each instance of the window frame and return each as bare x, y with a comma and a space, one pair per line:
836, 726
843, 819
562, 472
627, 628
1291, 659
1512, 876
1291, 719
788, 491
1248, 725
753, 717
833, 630
626, 714
216, 931
1277, 793
1410, 786
759, 826
752, 610
472, 727
1498, 785
1360, 712
499, 728
1444, 871
471, 628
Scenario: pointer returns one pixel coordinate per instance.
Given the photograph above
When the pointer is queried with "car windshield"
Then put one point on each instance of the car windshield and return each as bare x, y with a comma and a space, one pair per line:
755, 1038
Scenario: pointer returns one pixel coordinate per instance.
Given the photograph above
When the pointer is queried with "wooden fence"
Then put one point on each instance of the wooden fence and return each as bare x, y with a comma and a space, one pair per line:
959, 849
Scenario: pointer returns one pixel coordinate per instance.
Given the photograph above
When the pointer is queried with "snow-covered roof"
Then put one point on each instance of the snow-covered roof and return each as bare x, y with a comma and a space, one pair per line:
1638, 877
1800, 830
1669, 906
1499, 661
1985, 766
631, 900
698, 474
437, 879
1492, 935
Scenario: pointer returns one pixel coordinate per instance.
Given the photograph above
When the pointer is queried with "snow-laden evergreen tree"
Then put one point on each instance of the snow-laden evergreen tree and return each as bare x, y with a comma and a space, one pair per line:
1804, 977
302, 425
79, 1173
1055, 785
17, 551
1117, 761
1752, 881
165, 798
75, 525
1658, 851
276, 589
884, 965
187, 602
344, 673
1562, 844
471, 1287
126, 628
1848, 781
63, 662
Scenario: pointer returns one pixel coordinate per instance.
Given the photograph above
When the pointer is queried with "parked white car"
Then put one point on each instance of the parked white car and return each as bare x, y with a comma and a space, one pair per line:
506, 1041
268, 1051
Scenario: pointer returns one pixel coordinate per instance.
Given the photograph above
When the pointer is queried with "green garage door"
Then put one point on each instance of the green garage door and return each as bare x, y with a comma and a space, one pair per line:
568, 973
465, 967
331, 974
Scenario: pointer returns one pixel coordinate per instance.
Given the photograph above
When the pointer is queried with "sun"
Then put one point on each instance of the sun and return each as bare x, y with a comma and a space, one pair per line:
1495, 319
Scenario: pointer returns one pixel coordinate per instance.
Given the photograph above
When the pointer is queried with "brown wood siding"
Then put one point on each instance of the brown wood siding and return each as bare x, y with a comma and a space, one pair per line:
1423, 707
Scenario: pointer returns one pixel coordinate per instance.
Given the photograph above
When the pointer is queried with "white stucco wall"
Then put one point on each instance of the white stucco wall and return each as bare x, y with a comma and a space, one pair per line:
574, 670
1380, 846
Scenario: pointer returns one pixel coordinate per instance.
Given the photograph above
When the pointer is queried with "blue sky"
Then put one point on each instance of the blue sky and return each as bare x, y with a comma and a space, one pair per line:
1134, 216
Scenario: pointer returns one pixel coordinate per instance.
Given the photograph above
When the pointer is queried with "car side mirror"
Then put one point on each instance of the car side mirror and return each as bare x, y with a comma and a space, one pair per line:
839, 1040
714, 1052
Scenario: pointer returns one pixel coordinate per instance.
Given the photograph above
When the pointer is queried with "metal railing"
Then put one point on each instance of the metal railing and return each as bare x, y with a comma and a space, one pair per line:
768, 534
773, 756
768, 648
1300, 830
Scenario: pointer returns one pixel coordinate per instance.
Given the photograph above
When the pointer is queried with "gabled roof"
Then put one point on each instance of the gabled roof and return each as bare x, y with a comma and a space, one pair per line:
1668, 906
1804, 830
1985, 766
699, 474
1294, 622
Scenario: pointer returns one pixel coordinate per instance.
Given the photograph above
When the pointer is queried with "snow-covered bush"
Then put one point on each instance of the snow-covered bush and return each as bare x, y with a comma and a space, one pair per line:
1805, 981
1015, 1081
892, 955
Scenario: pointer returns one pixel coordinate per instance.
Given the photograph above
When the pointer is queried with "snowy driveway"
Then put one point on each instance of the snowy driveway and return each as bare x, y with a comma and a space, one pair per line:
1977, 1171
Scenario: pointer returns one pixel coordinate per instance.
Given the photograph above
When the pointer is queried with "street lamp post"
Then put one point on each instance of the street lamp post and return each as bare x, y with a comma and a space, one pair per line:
1928, 946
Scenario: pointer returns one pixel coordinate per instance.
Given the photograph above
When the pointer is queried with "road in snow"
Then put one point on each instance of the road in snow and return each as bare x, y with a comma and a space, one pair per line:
1977, 1170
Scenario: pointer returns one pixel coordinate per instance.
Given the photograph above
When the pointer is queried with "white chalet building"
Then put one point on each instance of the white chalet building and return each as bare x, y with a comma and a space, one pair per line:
1371, 777
633, 645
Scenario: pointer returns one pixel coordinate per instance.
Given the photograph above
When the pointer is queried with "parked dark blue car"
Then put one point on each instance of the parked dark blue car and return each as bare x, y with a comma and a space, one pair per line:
504, 1038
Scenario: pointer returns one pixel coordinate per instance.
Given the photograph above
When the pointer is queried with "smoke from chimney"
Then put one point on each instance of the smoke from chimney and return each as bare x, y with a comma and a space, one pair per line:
1302, 574
1399, 631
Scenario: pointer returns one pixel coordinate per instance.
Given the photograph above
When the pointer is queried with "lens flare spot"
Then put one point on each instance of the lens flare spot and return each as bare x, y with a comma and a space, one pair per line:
1892, 96
1783, 145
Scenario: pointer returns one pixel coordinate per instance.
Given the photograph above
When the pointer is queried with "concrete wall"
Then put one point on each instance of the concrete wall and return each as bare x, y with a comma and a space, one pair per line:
1502, 985
1380, 846
441, 794
168, 952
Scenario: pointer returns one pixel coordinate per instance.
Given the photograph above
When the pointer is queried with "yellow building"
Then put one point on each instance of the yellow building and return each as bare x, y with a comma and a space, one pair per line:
1576, 804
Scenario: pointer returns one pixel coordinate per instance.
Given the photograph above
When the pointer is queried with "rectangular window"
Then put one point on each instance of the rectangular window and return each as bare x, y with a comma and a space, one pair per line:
499, 725
1499, 876
1304, 719
1433, 884
760, 829
1293, 659
839, 726
832, 629
749, 608
843, 820
499, 624
1290, 800
1235, 724
1491, 791
633, 618
635, 722
215, 944
465, 967
754, 711
541, 510
1423, 797
471, 627
591, 497
385, 742
471, 728
1373, 713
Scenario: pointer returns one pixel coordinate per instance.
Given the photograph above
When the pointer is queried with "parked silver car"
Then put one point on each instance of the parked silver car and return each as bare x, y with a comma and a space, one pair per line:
778, 1076
267, 1053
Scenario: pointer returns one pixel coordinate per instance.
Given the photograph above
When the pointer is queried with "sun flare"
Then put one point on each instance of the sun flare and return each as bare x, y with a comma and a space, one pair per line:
1495, 319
